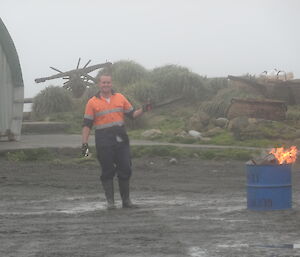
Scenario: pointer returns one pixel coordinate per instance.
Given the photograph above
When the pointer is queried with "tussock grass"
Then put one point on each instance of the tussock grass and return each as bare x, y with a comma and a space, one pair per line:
51, 100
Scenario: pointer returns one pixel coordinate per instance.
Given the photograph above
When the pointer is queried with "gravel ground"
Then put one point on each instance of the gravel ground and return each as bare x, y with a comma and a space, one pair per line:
193, 208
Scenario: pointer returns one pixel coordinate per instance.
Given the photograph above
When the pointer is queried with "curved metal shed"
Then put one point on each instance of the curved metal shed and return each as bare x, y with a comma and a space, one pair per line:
11, 88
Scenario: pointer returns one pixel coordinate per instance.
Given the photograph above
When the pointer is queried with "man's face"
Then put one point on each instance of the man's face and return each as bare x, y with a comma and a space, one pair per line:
105, 84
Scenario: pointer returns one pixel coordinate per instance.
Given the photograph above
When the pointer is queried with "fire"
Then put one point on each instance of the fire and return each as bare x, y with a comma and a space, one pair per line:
285, 156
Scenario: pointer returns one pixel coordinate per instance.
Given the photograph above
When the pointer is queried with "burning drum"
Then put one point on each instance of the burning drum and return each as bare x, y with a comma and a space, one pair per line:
269, 183
269, 187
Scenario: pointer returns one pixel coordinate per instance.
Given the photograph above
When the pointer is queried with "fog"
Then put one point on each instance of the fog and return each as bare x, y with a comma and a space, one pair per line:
212, 38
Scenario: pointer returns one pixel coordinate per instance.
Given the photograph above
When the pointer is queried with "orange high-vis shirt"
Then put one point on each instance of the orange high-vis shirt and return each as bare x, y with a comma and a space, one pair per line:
106, 114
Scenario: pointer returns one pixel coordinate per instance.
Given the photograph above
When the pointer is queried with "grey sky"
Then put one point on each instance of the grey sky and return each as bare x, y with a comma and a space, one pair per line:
213, 38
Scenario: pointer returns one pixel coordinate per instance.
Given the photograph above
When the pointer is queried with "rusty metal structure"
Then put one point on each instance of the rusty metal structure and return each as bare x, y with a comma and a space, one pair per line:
273, 96
273, 89
257, 108
78, 79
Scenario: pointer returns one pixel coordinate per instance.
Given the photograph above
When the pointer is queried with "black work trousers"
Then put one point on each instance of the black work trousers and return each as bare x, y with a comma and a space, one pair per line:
114, 159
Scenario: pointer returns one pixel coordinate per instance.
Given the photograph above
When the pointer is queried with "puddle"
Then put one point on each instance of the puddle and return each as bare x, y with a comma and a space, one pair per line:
196, 251
207, 218
278, 246
81, 204
84, 207
79, 208
233, 245
89, 203
287, 246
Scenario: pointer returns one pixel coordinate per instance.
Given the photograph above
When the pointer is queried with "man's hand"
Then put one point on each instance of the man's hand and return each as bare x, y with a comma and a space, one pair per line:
147, 107
85, 150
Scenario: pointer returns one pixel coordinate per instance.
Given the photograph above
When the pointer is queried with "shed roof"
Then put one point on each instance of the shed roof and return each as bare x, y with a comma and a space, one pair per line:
10, 51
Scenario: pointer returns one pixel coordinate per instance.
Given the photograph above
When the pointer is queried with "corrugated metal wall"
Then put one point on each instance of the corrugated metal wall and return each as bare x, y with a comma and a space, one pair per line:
11, 88
6, 92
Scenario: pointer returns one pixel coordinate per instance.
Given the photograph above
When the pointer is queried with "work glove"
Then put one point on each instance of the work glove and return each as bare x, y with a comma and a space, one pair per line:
147, 107
85, 150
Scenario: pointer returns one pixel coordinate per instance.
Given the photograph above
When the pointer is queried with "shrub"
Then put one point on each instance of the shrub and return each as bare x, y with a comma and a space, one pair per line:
125, 73
216, 84
293, 113
173, 80
51, 100
142, 91
219, 104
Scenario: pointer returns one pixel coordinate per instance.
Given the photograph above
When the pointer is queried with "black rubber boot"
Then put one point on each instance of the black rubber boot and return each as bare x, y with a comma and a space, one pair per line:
124, 192
108, 186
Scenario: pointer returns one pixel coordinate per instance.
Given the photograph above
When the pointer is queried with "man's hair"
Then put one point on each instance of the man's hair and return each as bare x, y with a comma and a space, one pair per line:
104, 72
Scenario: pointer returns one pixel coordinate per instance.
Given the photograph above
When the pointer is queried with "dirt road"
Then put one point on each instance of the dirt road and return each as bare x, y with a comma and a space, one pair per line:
194, 208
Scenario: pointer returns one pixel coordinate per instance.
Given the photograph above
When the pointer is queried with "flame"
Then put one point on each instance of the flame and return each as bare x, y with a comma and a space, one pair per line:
285, 156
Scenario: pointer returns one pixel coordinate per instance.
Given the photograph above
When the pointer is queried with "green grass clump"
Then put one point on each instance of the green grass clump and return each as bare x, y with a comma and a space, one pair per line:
234, 154
225, 138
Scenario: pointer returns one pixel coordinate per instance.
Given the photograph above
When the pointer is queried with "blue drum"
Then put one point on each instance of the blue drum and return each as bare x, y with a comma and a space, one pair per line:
269, 187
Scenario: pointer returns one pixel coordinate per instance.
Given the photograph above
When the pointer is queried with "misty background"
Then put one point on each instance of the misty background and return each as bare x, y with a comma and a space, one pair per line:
213, 38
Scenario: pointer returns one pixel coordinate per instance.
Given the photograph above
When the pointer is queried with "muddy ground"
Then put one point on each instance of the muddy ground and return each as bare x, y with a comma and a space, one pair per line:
194, 208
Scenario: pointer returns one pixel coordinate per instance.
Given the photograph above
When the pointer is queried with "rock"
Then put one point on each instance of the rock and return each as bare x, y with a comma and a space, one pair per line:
221, 122
195, 133
151, 133
173, 161
182, 134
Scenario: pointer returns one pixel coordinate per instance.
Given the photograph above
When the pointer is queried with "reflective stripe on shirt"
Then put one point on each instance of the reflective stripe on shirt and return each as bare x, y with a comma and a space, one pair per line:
108, 125
90, 117
109, 111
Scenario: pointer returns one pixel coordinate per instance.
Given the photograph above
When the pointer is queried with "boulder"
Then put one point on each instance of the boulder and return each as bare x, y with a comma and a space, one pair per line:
221, 122
173, 161
195, 134
182, 133
151, 133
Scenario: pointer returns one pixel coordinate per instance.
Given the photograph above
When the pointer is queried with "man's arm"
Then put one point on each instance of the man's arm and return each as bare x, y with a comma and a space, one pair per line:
85, 138
137, 113
85, 134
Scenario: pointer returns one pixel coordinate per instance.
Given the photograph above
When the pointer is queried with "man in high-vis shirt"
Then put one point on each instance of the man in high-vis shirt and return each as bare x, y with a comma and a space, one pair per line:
105, 112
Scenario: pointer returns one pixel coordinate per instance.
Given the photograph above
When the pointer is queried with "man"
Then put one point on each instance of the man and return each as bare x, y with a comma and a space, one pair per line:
105, 111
